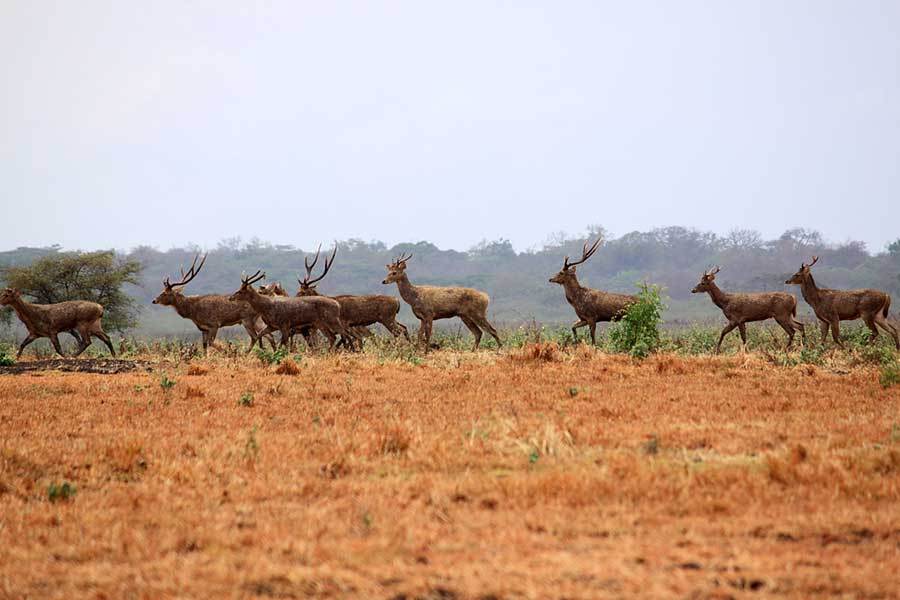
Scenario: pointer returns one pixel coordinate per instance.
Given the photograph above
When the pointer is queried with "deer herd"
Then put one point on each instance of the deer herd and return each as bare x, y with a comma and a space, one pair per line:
269, 309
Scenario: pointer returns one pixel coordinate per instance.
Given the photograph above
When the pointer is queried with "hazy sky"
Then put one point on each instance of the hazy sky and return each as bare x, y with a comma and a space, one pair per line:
163, 123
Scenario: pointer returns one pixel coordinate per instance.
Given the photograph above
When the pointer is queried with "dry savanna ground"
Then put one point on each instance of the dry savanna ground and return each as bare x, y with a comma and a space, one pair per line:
526, 474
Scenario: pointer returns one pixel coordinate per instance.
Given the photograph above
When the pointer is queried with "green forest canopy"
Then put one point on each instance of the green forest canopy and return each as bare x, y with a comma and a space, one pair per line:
672, 257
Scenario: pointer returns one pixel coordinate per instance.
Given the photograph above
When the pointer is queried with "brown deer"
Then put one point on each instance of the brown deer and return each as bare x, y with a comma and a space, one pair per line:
833, 306
210, 312
746, 308
49, 320
430, 302
291, 314
591, 306
357, 312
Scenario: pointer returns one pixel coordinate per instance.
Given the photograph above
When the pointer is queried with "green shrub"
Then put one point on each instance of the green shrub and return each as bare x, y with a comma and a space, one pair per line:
60, 492
246, 399
890, 375
165, 383
268, 357
5, 359
637, 332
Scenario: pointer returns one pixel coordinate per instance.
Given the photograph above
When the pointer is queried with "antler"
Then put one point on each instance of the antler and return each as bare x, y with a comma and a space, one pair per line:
309, 267
713, 271
247, 281
814, 261
586, 253
402, 259
186, 278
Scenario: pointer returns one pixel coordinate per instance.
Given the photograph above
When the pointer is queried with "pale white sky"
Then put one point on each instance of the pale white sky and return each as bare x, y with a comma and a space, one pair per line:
162, 123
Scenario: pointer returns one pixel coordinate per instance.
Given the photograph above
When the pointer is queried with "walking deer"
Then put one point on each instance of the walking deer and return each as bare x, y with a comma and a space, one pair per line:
211, 312
49, 320
740, 309
591, 306
357, 312
833, 306
430, 302
292, 313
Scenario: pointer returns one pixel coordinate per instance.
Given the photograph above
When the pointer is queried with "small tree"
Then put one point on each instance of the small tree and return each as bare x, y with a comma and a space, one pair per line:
637, 332
94, 276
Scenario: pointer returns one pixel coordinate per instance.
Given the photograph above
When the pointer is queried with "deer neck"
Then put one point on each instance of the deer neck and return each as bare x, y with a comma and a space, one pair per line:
28, 313
183, 306
574, 290
809, 290
259, 302
408, 291
718, 297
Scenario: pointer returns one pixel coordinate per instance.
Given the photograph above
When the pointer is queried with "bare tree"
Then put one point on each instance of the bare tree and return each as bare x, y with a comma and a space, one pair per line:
48, 320
592, 306
357, 312
210, 312
833, 306
746, 308
292, 313
430, 302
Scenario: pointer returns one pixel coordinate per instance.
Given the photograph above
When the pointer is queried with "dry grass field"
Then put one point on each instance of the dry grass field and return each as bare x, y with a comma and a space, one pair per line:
526, 474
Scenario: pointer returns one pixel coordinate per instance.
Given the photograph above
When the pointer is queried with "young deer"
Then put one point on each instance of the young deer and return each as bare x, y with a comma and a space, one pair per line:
591, 306
746, 308
49, 320
211, 312
291, 314
833, 306
429, 303
357, 312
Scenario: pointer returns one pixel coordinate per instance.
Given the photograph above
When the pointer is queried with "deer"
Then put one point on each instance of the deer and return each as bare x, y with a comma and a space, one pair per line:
429, 303
211, 312
740, 309
833, 306
292, 313
591, 306
49, 320
357, 312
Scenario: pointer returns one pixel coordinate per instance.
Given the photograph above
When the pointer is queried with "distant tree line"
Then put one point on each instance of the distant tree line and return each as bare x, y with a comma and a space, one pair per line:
672, 257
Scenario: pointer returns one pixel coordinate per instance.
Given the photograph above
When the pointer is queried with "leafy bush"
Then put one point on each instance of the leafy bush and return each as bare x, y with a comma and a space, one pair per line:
5, 359
890, 375
165, 383
246, 399
268, 357
637, 332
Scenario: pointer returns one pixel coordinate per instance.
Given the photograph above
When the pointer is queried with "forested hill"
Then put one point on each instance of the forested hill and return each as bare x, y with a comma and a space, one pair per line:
672, 257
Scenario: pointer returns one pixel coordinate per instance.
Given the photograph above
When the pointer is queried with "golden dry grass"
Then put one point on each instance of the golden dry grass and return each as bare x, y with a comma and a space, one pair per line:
532, 474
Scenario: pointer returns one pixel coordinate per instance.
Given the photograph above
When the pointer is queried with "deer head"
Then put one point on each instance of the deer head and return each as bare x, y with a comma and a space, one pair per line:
800, 276
568, 270
9, 296
170, 290
307, 284
397, 269
272, 289
706, 280
246, 292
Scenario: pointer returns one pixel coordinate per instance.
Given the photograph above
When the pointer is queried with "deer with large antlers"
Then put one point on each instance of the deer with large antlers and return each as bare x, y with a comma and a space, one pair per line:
49, 320
291, 314
211, 312
429, 303
833, 306
591, 306
740, 309
357, 312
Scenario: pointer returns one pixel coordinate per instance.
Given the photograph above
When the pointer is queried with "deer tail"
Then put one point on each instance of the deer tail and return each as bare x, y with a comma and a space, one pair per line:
887, 305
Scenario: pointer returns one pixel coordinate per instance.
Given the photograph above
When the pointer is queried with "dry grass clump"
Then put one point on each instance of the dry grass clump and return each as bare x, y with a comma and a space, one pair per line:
538, 351
287, 367
458, 476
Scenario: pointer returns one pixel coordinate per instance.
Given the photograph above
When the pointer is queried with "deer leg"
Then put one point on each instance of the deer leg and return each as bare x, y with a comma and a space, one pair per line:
728, 329
824, 326
889, 327
742, 329
474, 329
593, 327
788, 327
869, 320
836, 332
54, 339
74, 333
801, 328
25, 342
574, 330
483, 322
85, 341
403, 329
426, 329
